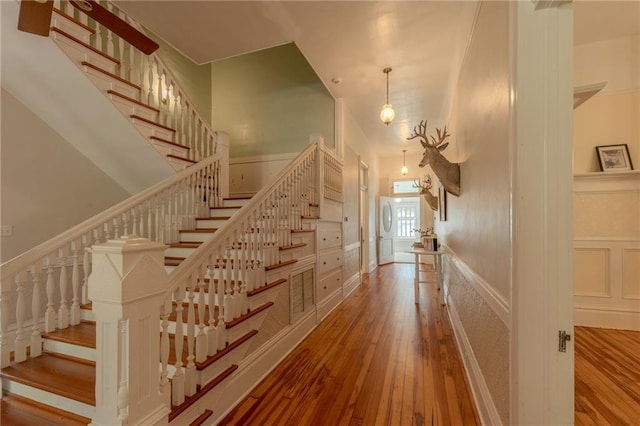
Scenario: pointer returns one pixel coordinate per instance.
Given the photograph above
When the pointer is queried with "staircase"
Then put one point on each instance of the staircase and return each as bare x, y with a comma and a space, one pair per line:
220, 295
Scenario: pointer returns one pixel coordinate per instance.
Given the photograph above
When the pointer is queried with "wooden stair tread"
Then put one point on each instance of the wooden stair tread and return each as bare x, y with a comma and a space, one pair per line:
214, 218
311, 217
280, 265
199, 230
226, 207
237, 198
83, 334
266, 287
130, 99
19, 411
189, 401
67, 376
162, 140
201, 418
74, 20
299, 231
219, 354
177, 157
248, 315
292, 246
194, 244
154, 123
85, 45
110, 74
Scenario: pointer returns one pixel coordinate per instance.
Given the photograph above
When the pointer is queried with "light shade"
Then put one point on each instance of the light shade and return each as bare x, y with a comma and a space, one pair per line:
387, 114
404, 170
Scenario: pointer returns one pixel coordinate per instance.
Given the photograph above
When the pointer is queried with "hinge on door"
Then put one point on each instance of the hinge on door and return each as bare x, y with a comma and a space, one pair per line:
563, 338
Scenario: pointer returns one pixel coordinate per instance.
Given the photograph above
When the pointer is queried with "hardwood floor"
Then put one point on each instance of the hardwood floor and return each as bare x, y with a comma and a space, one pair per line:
607, 384
378, 359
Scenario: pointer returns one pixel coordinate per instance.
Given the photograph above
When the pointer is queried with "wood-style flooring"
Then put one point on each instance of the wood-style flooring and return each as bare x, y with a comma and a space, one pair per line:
607, 384
378, 359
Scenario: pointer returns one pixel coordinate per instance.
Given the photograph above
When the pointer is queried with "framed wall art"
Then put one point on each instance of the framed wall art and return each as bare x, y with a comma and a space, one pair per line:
442, 203
614, 158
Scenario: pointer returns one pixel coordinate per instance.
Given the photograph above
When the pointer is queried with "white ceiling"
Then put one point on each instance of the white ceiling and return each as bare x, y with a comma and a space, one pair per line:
423, 41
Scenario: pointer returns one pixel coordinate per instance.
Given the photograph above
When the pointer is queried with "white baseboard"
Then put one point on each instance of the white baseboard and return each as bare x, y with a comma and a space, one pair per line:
350, 285
619, 319
486, 408
329, 304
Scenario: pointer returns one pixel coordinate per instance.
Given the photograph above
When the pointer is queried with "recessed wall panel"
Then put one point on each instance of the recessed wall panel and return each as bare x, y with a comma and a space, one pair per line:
591, 272
631, 273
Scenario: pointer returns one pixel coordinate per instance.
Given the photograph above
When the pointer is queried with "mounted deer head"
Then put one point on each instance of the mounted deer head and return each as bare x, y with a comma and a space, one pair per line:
448, 173
425, 191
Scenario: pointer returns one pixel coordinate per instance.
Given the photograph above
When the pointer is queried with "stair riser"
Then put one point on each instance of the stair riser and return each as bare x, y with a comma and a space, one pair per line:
264, 297
244, 327
79, 53
48, 398
225, 211
69, 349
179, 252
105, 82
165, 149
128, 108
70, 27
148, 130
210, 223
196, 237
235, 202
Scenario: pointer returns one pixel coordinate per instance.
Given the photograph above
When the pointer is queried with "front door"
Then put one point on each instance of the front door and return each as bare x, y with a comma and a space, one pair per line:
385, 233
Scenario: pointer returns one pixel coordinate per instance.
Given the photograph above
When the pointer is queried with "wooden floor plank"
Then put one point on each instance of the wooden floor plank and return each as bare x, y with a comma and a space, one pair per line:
378, 358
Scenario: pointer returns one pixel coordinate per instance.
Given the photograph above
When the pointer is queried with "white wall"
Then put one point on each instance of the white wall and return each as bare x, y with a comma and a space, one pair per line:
478, 227
47, 185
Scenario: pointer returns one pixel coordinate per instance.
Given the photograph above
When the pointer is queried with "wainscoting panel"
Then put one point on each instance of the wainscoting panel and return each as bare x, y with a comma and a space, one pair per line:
607, 283
591, 276
631, 273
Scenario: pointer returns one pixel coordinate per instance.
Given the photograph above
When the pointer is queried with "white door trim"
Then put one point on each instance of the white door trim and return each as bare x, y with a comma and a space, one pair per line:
541, 378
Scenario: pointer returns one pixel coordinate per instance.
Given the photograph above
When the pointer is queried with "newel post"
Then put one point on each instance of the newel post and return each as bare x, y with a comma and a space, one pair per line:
126, 287
222, 141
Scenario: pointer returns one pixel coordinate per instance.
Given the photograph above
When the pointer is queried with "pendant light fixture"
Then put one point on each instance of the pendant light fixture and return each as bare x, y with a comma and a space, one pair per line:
387, 113
404, 170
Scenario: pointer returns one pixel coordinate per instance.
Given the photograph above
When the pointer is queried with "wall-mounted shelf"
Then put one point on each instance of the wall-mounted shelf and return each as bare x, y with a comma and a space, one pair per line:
582, 94
607, 181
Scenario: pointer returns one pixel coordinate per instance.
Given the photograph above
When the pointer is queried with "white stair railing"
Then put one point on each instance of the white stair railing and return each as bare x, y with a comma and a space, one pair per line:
160, 88
62, 264
230, 264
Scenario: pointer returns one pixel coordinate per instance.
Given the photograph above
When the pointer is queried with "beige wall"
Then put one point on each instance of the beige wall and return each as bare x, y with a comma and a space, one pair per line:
478, 225
613, 115
47, 185
194, 79
270, 101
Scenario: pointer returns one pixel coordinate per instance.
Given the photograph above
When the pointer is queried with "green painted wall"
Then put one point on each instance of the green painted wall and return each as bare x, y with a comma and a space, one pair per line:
270, 101
194, 79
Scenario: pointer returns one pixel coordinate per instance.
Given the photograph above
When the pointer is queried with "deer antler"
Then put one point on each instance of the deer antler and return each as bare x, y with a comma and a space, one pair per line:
424, 186
420, 132
441, 136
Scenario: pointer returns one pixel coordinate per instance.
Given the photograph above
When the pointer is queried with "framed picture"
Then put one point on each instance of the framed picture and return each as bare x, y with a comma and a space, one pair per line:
442, 203
614, 158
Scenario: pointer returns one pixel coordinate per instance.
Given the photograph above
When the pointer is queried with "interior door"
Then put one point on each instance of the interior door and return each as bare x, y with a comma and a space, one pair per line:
385, 233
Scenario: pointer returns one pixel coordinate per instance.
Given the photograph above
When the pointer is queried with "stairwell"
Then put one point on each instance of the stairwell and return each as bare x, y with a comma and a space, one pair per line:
227, 268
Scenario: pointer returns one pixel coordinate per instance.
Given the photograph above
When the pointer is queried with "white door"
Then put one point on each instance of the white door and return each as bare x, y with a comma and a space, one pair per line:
385, 233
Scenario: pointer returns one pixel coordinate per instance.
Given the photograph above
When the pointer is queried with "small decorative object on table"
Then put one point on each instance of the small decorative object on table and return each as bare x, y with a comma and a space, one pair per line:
428, 239
614, 158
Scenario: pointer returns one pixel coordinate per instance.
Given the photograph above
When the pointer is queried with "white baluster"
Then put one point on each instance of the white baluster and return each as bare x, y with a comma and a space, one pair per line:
212, 344
201, 342
4, 328
190, 373
75, 286
164, 349
50, 313
63, 311
86, 266
177, 382
20, 345
36, 300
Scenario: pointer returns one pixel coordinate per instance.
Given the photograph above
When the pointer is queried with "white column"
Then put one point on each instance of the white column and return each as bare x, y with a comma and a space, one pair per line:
222, 139
127, 286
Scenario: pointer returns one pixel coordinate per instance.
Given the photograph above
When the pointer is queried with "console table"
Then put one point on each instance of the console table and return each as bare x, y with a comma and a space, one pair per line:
437, 270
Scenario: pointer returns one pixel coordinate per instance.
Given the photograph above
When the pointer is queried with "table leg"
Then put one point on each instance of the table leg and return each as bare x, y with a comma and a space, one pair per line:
416, 279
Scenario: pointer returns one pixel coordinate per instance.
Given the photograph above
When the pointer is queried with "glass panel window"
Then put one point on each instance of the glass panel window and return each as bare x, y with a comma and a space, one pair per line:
405, 187
406, 220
